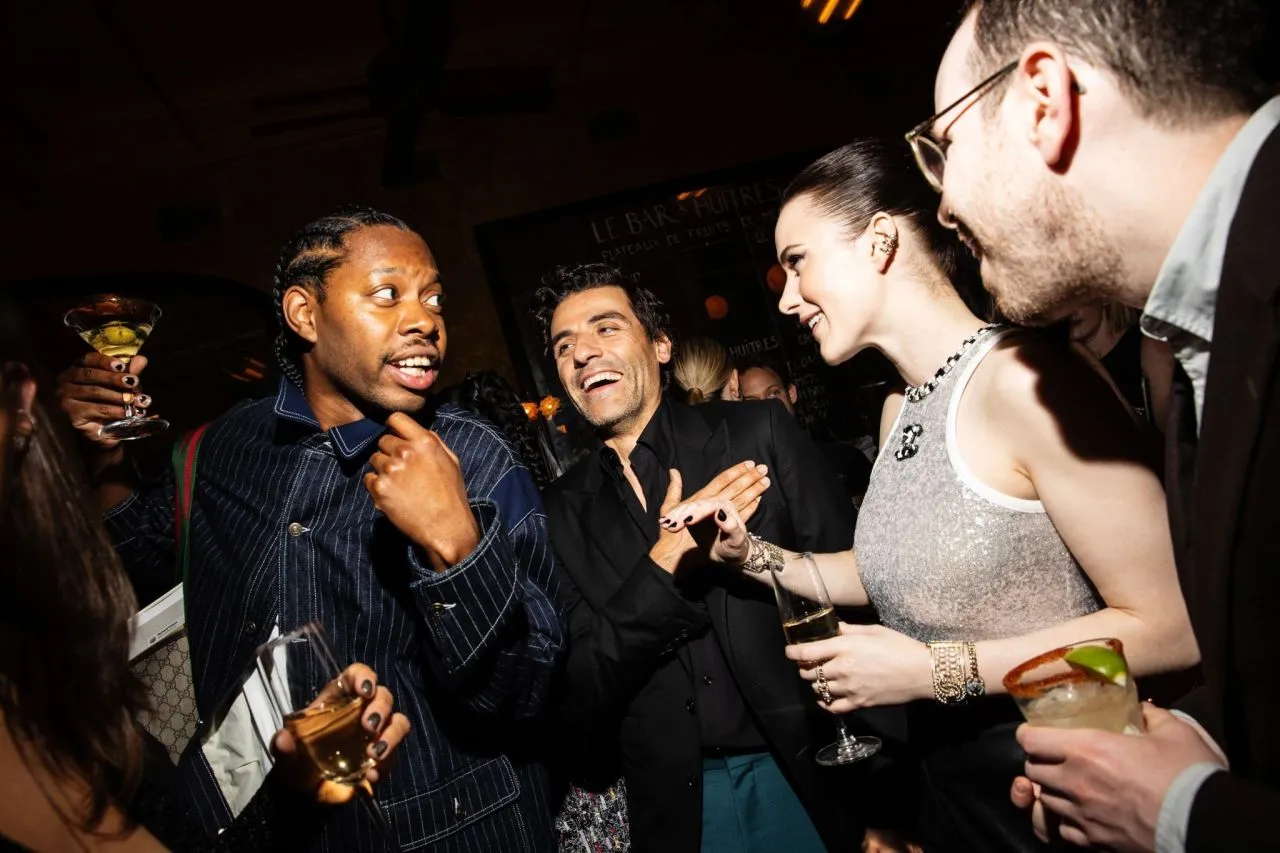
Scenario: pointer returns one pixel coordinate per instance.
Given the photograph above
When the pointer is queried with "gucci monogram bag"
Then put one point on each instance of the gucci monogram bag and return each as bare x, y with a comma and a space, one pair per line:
159, 652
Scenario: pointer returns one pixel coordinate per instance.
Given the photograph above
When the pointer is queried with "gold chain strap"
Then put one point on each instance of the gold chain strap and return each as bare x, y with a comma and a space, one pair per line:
955, 672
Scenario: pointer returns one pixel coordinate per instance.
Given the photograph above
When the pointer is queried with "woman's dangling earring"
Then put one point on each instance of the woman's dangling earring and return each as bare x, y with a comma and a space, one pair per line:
23, 433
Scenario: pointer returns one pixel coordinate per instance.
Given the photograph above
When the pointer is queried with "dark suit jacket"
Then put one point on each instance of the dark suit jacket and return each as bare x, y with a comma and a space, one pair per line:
628, 675
1224, 498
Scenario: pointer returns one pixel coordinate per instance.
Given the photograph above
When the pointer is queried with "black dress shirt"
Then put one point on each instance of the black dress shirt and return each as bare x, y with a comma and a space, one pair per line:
723, 718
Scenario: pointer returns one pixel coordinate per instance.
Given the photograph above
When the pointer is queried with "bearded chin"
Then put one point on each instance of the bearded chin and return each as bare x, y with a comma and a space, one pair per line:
1053, 295
1064, 262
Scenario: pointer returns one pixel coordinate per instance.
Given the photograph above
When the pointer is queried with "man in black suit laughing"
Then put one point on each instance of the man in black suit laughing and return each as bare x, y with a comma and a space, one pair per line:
673, 663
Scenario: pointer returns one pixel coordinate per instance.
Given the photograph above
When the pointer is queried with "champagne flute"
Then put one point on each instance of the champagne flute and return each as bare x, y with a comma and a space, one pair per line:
117, 326
310, 698
807, 616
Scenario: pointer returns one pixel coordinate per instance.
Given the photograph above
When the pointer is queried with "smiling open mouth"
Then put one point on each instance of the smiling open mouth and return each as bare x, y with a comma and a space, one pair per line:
416, 372
600, 381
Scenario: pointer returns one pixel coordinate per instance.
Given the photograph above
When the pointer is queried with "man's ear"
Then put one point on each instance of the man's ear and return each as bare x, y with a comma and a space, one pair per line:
662, 347
299, 312
792, 394
1046, 96
734, 385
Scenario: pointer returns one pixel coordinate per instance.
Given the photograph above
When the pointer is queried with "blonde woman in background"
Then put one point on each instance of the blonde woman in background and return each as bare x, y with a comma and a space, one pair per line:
704, 372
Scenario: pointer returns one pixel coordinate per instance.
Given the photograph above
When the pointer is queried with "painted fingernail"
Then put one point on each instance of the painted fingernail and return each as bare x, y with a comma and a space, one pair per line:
372, 721
130, 381
128, 398
366, 687
722, 515
688, 519
380, 748
118, 366
144, 400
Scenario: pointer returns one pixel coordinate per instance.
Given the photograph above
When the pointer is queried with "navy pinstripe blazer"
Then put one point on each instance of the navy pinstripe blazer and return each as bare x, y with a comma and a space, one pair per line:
284, 532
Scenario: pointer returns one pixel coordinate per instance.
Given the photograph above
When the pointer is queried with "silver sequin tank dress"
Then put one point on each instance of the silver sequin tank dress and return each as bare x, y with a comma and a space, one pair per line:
942, 555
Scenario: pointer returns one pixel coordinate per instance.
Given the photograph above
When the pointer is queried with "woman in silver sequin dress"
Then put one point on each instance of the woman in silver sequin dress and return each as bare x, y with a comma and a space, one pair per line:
1009, 507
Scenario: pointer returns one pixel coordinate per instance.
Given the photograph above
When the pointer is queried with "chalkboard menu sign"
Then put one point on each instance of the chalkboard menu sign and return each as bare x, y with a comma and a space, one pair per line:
705, 247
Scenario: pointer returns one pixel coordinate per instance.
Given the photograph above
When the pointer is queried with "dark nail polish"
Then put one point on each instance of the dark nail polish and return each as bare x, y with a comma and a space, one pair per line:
118, 366
688, 519
366, 687
130, 381
722, 515
372, 721
380, 748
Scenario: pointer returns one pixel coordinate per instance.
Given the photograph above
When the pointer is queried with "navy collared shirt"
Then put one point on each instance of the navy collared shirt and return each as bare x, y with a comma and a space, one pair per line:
283, 532
350, 441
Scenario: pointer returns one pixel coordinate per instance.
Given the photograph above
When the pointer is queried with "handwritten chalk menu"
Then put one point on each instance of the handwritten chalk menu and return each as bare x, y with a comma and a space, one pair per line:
704, 246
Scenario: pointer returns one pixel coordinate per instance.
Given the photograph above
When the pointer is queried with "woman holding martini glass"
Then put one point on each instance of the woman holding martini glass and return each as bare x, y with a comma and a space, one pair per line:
1009, 510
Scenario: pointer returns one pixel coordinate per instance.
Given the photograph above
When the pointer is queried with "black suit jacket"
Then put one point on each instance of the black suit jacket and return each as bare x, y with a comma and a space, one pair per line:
628, 685
1224, 498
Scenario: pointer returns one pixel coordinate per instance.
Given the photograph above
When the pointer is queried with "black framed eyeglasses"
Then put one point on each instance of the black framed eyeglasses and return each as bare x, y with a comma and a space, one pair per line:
930, 151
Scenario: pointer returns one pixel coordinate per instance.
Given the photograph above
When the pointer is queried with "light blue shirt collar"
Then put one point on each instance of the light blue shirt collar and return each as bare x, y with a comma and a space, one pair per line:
1186, 289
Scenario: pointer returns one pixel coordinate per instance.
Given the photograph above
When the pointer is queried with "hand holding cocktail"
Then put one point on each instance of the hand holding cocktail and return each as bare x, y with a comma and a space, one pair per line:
382, 730
116, 327
96, 390
1095, 755
339, 720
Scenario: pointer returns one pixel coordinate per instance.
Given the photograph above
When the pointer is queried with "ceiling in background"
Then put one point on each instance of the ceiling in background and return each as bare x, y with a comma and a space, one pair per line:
150, 87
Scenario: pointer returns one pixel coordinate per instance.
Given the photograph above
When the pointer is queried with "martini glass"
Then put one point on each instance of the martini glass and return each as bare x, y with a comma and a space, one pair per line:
117, 326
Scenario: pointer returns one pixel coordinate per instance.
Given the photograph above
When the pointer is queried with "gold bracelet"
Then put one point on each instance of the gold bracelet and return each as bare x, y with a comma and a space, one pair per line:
955, 672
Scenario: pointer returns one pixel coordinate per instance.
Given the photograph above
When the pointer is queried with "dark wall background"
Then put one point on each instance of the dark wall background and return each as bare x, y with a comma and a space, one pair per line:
183, 144
705, 247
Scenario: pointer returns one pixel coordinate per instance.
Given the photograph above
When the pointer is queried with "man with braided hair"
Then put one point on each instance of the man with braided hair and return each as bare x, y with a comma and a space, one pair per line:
407, 527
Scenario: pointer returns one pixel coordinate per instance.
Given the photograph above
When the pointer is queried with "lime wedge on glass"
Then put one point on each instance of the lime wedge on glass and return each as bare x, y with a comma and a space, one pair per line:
1099, 662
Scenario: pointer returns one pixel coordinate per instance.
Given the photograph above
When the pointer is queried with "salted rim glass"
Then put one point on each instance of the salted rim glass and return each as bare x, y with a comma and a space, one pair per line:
1050, 692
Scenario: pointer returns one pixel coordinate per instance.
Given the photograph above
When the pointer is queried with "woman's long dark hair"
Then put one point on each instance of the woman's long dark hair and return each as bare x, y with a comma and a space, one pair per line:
488, 395
869, 176
68, 696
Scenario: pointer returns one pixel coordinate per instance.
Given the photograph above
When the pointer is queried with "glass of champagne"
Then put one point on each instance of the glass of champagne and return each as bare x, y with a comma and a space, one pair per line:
309, 697
808, 616
312, 701
117, 326
1084, 685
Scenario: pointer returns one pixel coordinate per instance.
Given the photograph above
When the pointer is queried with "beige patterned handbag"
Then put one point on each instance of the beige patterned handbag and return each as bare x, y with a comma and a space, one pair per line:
164, 659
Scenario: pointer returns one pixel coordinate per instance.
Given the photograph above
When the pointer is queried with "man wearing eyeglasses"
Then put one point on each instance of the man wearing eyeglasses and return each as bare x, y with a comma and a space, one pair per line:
1127, 150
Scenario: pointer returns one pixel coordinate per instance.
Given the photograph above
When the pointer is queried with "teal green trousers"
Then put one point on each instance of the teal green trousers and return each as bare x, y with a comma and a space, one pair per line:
748, 807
